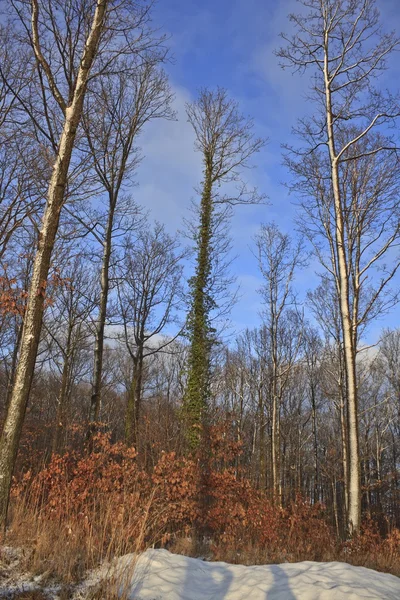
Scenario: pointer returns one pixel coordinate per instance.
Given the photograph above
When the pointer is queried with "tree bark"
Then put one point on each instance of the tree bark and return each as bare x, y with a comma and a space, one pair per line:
95, 400
316, 497
354, 512
275, 451
276, 411
60, 417
34, 311
345, 459
13, 368
134, 402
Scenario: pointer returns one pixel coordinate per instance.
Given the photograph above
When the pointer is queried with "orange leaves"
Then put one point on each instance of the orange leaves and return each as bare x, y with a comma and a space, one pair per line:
12, 298
105, 490
41, 291
71, 482
235, 513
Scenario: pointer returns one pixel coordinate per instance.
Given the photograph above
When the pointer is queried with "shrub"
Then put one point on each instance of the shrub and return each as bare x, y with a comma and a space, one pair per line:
84, 508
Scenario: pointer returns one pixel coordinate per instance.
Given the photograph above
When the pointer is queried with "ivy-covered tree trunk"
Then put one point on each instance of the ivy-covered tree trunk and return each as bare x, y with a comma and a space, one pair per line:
225, 139
195, 402
196, 399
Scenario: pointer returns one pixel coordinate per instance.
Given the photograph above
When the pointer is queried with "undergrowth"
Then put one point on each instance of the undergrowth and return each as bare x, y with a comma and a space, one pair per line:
85, 509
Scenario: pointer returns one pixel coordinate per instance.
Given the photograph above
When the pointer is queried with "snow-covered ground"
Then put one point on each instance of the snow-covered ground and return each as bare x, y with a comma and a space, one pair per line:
160, 575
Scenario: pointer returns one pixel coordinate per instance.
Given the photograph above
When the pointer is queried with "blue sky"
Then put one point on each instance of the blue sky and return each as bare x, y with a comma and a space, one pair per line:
230, 44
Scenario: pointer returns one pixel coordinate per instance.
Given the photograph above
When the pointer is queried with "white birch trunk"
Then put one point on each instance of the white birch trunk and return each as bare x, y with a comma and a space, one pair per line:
354, 512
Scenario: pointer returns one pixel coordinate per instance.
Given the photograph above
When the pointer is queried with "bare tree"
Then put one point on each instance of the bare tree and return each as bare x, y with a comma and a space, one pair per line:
342, 44
313, 347
20, 197
260, 343
326, 309
278, 258
69, 44
389, 354
115, 114
149, 294
67, 332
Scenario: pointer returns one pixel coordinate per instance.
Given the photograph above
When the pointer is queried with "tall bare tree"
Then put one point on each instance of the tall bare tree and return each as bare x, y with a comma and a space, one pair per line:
313, 347
150, 292
115, 114
278, 258
325, 307
67, 330
69, 44
343, 46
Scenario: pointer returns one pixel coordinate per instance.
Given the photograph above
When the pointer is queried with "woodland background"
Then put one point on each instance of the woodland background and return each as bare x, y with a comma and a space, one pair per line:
133, 412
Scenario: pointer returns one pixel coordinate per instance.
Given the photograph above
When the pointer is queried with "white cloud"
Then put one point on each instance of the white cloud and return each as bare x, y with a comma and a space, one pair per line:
170, 168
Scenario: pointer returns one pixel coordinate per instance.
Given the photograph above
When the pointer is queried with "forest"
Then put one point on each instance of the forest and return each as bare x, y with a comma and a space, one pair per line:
136, 411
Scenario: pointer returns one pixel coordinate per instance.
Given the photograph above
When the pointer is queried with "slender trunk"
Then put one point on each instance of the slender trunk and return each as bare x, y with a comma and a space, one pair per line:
299, 464
95, 400
138, 395
315, 441
394, 478
239, 421
275, 397
262, 448
354, 513
378, 474
34, 311
276, 444
354, 517
134, 402
335, 507
287, 479
365, 474
60, 417
345, 459
130, 408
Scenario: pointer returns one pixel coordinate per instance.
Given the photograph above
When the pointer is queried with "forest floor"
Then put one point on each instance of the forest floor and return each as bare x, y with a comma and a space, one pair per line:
160, 575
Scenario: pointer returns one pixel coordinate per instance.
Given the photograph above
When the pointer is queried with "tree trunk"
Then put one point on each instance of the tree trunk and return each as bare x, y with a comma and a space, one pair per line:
344, 440
354, 517
354, 513
130, 409
335, 507
34, 311
345, 459
199, 355
378, 475
275, 451
262, 463
95, 400
13, 368
315, 443
60, 417
134, 402
276, 438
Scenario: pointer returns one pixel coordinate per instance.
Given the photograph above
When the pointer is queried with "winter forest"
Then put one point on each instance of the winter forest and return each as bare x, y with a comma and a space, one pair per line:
213, 370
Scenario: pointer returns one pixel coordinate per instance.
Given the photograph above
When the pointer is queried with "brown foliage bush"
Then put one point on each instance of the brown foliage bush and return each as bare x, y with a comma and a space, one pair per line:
102, 504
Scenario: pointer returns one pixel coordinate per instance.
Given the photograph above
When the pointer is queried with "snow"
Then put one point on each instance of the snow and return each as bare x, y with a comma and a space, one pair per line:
160, 575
